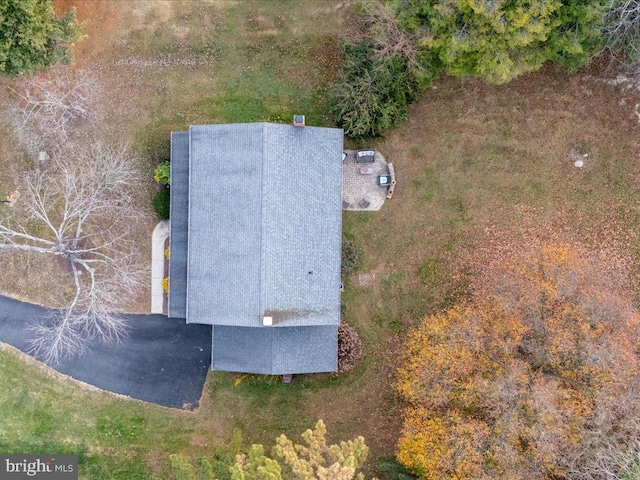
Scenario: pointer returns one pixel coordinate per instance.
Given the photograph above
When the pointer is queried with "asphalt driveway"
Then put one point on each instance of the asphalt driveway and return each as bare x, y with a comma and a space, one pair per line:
162, 360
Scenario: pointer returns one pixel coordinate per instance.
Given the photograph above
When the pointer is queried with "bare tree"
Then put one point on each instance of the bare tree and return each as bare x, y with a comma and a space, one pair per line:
45, 109
378, 23
622, 31
611, 447
390, 40
79, 207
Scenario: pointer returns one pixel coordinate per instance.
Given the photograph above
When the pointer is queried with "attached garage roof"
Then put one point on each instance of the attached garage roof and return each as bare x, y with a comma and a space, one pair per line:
276, 350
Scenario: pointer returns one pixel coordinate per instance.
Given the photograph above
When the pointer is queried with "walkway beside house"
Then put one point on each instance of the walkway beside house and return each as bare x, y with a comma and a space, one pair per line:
158, 239
162, 361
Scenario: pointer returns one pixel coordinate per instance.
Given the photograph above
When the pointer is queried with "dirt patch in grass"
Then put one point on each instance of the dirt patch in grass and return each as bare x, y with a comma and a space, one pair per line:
50, 289
100, 19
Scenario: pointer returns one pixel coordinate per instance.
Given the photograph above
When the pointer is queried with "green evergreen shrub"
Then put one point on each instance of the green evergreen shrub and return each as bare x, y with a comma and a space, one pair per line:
33, 38
372, 94
161, 203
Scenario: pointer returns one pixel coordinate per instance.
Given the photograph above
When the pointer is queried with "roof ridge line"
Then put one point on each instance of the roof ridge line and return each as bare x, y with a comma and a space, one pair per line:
263, 227
186, 306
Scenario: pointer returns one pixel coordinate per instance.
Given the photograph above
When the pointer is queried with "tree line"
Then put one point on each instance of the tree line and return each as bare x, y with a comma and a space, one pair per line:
397, 48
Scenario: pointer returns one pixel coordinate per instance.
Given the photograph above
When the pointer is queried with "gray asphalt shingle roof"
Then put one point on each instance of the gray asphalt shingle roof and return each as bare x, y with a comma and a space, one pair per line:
276, 350
179, 221
264, 234
265, 224
224, 223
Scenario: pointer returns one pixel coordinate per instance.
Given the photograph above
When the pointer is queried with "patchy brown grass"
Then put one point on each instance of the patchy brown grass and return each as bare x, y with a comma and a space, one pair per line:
486, 173
50, 289
480, 163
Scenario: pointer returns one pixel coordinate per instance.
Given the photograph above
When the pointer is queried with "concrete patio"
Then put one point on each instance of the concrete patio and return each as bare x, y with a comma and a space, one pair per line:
360, 189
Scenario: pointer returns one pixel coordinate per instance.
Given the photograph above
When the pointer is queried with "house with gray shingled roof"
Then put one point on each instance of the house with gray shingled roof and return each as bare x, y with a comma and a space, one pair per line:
255, 239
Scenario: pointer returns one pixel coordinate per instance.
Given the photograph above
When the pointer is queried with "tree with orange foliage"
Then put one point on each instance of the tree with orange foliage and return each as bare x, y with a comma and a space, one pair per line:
534, 379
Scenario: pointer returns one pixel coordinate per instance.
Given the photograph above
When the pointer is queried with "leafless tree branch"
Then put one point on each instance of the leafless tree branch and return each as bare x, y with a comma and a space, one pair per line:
378, 24
79, 206
621, 33
45, 109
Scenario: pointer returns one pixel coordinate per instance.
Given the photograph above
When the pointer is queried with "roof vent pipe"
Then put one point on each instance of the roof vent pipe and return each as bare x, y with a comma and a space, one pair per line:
267, 321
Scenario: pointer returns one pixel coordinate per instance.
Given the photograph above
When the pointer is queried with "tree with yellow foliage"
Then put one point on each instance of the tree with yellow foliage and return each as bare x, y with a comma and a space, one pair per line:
537, 378
313, 460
